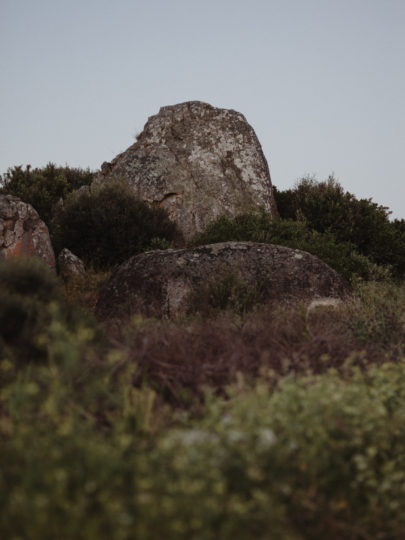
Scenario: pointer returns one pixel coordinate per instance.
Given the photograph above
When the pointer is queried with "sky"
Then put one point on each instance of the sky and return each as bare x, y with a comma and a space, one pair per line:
322, 82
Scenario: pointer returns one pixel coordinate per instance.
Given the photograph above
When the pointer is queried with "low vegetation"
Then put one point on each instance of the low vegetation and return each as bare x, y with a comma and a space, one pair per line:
281, 423
31, 297
341, 256
326, 207
45, 187
227, 290
106, 225
241, 420
355, 237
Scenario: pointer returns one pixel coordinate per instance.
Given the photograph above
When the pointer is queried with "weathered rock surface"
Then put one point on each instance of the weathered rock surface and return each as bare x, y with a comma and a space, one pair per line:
159, 283
198, 162
70, 266
22, 232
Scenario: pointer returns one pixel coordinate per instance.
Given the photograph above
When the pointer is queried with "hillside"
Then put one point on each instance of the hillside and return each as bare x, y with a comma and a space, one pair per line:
242, 419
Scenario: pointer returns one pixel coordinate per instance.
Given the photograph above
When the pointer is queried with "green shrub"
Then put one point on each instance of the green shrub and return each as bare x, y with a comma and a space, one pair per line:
82, 460
70, 435
107, 225
90, 455
376, 316
28, 290
326, 207
328, 452
314, 457
227, 291
294, 234
84, 290
318, 457
44, 187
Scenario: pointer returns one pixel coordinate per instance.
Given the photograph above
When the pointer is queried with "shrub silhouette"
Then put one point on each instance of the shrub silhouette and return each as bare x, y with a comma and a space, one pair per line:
226, 291
26, 289
107, 225
43, 188
326, 207
294, 234
33, 310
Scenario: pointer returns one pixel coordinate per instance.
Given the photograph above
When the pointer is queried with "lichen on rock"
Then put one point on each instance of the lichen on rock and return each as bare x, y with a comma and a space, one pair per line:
70, 266
22, 232
198, 162
159, 283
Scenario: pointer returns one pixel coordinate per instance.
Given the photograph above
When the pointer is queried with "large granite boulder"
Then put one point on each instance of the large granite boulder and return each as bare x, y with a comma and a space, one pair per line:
159, 283
22, 232
198, 162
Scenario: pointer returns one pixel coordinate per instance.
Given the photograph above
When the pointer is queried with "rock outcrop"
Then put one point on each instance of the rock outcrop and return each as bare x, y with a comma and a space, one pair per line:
22, 232
198, 162
159, 283
70, 266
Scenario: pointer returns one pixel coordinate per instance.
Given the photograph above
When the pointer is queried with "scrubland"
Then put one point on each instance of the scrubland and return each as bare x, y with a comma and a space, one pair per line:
242, 420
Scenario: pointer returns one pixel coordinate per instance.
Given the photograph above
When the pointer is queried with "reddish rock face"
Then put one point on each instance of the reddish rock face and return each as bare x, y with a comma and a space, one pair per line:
198, 162
22, 232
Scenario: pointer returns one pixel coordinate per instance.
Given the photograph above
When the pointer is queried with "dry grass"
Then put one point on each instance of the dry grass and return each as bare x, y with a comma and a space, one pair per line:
181, 358
84, 290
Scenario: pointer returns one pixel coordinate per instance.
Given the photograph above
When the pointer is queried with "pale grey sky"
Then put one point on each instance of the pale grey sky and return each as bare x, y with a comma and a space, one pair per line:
322, 82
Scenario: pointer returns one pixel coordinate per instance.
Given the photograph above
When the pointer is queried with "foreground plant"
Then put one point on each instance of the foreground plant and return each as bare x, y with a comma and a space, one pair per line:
90, 456
327, 452
157, 433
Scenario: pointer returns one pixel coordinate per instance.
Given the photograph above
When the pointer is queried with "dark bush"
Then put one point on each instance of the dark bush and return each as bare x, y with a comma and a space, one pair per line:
294, 234
226, 291
326, 207
43, 187
107, 225
26, 289
32, 308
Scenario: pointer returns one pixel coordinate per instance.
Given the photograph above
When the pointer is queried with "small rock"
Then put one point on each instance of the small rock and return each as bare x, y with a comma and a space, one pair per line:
70, 266
323, 302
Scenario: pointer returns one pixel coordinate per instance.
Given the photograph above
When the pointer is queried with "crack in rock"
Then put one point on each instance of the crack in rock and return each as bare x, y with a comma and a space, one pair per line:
197, 161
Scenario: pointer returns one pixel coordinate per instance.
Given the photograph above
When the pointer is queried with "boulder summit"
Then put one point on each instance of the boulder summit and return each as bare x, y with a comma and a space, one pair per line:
198, 162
